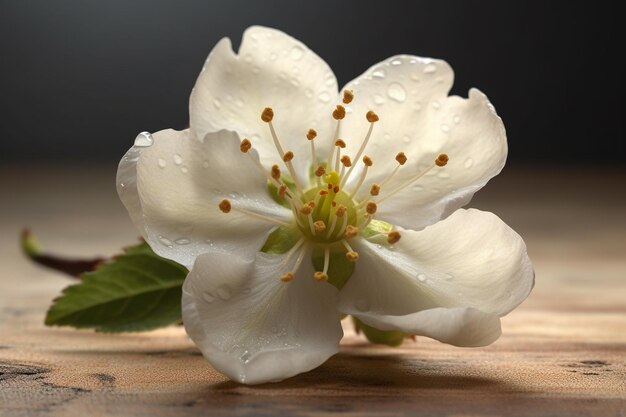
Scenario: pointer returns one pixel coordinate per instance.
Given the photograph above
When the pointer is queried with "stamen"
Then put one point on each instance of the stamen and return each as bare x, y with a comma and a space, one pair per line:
319, 172
351, 231
366, 222
346, 161
267, 115
401, 158
393, 237
288, 156
375, 189
344, 224
368, 163
348, 96
323, 276
290, 275
340, 212
371, 208
319, 226
339, 113
310, 135
282, 191
441, 160
245, 145
340, 143
287, 277
275, 172
320, 276
351, 255
226, 207
372, 118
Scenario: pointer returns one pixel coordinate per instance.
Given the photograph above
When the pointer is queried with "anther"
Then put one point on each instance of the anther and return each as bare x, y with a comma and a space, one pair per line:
288, 156
339, 112
225, 206
442, 160
245, 145
345, 160
368, 161
340, 143
275, 172
371, 116
341, 210
306, 209
267, 115
371, 207
320, 276
348, 96
352, 256
375, 190
319, 226
311, 204
282, 190
287, 277
351, 231
311, 134
401, 158
320, 171
336, 189
393, 237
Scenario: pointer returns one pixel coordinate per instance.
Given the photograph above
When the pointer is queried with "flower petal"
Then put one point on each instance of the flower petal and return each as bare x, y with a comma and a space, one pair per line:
449, 281
418, 118
252, 326
272, 69
172, 190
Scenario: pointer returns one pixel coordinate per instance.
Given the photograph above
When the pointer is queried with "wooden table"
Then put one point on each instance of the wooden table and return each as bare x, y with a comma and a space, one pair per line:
563, 352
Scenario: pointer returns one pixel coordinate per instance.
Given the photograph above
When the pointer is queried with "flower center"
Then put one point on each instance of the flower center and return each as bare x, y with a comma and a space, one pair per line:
326, 215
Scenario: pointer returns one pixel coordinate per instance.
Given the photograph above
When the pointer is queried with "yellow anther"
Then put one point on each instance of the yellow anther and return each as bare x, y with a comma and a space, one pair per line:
288, 156
401, 158
348, 96
225, 206
320, 171
368, 161
375, 190
320, 276
352, 256
341, 210
306, 209
282, 190
267, 115
371, 207
442, 160
319, 226
371, 116
275, 172
245, 145
311, 134
287, 277
340, 143
346, 161
339, 112
393, 237
351, 231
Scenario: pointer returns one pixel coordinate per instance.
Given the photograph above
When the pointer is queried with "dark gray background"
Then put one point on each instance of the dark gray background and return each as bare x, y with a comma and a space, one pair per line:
80, 78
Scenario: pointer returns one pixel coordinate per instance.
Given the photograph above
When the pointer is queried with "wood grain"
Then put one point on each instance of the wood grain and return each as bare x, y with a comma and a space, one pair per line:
563, 352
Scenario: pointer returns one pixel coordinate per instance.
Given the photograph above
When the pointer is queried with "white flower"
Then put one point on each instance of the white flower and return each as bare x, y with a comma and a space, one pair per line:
386, 205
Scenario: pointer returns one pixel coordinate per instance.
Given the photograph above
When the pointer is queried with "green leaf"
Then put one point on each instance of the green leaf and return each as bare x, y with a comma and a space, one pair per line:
384, 337
135, 291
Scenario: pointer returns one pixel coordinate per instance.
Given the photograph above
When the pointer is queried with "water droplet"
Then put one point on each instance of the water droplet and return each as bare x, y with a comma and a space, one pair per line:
296, 53
122, 185
445, 128
396, 62
143, 139
224, 292
295, 82
379, 73
406, 139
378, 99
468, 163
421, 277
443, 175
165, 241
324, 97
245, 356
330, 80
162, 163
436, 105
217, 103
184, 169
396, 92
362, 305
178, 159
415, 76
208, 297
456, 119
430, 68
182, 241
205, 164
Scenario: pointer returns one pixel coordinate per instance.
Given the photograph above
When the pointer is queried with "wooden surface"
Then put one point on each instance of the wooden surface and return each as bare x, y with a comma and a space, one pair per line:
563, 352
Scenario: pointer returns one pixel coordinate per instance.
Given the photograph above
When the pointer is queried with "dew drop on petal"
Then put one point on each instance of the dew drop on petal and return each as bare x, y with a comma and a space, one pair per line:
165, 241
378, 99
380, 73
245, 356
406, 139
421, 277
217, 103
295, 82
178, 159
418, 188
362, 305
456, 119
296, 53
144, 139
224, 292
430, 68
184, 169
445, 128
436, 104
208, 297
273, 56
468, 163
324, 97
396, 62
182, 241
443, 175
162, 163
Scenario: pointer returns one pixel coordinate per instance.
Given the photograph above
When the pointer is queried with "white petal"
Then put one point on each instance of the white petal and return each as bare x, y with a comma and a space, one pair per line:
252, 326
271, 69
471, 266
172, 190
418, 118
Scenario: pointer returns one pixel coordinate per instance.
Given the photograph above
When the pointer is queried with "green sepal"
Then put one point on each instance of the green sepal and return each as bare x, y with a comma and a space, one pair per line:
273, 190
280, 240
339, 269
383, 337
377, 227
